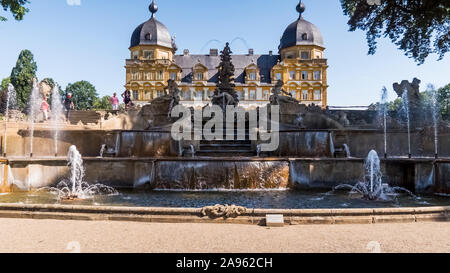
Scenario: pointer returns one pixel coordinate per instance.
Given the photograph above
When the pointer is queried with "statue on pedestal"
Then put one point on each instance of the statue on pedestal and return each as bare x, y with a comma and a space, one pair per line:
279, 97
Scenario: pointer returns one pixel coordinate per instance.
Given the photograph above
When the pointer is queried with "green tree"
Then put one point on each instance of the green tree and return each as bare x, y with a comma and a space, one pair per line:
444, 101
16, 7
5, 83
84, 94
410, 24
103, 103
22, 77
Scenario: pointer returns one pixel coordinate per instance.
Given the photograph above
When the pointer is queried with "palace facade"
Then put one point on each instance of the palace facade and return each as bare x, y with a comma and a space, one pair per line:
300, 64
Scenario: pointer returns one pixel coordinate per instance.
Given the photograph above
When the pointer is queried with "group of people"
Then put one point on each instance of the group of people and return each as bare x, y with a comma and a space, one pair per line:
126, 100
68, 103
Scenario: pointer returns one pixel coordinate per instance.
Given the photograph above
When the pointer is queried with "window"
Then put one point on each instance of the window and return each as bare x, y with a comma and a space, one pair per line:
290, 55
160, 75
149, 54
173, 76
239, 94
134, 76
278, 76
305, 95
292, 75
305, 55
199, 76
304, 36
253, 76
187, 95
147, 76
159, 93
317, 95
293, 93
317, 75
147, 95
199, 96
135, 55
266, 95
304, 75
252, 95
136, 95
164, 55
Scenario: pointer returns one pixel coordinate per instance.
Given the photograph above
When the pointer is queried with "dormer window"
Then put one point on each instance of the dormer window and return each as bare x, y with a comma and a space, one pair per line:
304, 36
148, 36
199, 76
253, 76
173, 76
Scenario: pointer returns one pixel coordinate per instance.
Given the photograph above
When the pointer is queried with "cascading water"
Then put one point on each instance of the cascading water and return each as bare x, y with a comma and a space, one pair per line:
435, 113
192, 150
384, 109
258, 150
373, 188
56, 114
74, 187
10, 104
408, 120
34, 105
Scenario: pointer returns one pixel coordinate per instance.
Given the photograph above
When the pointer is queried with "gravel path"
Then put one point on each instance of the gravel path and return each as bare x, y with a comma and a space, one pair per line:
23, 235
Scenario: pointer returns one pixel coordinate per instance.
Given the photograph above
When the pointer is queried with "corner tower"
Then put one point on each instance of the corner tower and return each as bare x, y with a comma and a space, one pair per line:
303, 67
151, 59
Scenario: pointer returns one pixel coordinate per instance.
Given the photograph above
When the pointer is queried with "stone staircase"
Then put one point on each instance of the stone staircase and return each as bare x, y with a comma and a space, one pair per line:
227, 148
86, 117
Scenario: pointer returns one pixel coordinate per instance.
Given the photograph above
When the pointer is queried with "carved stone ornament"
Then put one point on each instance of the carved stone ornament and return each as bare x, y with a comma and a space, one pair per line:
224, 211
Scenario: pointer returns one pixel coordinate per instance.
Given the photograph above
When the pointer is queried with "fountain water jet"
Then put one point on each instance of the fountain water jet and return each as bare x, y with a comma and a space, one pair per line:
10, 104
75, 188
384, 105
34, 106
435, 114
57, 112
408, 120
373, 187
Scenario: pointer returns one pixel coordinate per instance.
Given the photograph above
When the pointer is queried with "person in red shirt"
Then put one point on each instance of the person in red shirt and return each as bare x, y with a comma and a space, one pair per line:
45, 108
115, 102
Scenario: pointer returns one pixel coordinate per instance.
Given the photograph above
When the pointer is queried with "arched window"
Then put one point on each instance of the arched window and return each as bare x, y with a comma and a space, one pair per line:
304, 36
148, 36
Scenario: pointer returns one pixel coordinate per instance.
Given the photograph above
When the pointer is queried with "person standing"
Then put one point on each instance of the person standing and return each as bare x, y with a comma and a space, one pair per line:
115, 102
127, 99
68, 104
45, 108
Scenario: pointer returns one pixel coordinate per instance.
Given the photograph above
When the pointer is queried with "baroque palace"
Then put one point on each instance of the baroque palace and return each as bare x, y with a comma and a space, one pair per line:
300, 65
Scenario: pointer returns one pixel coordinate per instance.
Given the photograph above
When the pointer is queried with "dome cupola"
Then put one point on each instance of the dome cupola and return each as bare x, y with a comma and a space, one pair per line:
152, 32
301, 32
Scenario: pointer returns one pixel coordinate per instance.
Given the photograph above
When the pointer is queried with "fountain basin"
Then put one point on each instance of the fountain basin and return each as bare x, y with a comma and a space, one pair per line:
250, 216
418, 175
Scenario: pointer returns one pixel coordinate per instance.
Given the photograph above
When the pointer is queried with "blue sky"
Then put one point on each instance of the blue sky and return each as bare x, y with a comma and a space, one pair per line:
88, 40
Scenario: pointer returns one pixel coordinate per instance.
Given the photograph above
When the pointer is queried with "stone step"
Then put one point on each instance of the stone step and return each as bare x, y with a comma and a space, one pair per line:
225, 153
226, 147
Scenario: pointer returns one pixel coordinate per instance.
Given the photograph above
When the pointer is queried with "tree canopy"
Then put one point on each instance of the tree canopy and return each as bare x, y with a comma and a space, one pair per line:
84, 94
5, 83
444, 100
103, 103
417, 27
22, 77
16, 7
